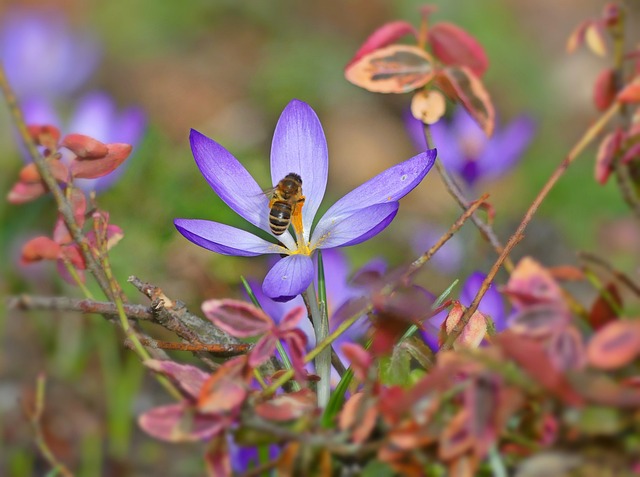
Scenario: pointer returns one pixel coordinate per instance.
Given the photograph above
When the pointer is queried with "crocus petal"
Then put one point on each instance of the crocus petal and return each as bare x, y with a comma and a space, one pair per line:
388, 186
224, 239
506, 148
288, 278
299, 146
356, 227
233, 183
491, 304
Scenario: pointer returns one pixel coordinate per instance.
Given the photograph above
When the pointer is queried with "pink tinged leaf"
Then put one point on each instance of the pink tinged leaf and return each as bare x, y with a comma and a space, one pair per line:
604, 90
59, 170
630, 93
78, 202
189, 378
61, 233
605, 308
226, 389
577, 36
393, 69
615, 345
594, 38
348, 420
238, 318
179, 423
631, 154
23, 192
94, 168
464, 87
383, 36
482, 401
531, 283
454, 46
428, 106
472, 334
566, 350
44, 135
287, 407
291, 319
607, 151
541, 320
262, 350
361, 361
296, 342
456, 438
217, 458
73, 255
85, 147
40, 248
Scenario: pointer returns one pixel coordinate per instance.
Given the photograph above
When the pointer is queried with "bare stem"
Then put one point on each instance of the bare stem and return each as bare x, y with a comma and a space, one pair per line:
323, 360
582, 143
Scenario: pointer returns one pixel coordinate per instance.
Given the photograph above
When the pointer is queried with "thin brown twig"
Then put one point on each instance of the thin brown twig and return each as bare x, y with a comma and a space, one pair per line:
455, 191
218, 350
586, 139
621, 276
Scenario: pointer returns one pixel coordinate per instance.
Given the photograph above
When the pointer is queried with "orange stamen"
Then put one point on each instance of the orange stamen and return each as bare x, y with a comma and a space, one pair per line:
296, 217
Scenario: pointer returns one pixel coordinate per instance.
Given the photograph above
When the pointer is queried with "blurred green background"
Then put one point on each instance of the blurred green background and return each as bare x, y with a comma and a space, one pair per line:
227, 68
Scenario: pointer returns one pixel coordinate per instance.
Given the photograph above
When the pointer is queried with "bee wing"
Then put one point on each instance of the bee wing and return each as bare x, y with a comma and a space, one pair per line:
269, 192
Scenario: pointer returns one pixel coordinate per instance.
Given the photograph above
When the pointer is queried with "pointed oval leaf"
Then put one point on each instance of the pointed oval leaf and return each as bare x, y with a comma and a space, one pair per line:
287, 407
291, 319
594, 38
577, 36
428, 106
454, 46
224, 390
531, 283
178, 423
474, 331
237, 318
567, 350
393, 69
603, 310
540, 320
608, 149
40, 248
361, 361
189, 378
615, 345
94, 168
464, 87
630, 93
23, 192
351, 411
604, 89
262, 350
383, 36
85, 147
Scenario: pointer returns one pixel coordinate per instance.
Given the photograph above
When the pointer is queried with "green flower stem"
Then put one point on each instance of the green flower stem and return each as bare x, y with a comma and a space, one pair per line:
323, 359
76, 278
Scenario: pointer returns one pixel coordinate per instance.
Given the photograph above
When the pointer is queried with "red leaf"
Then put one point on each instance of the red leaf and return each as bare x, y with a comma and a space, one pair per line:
454, 46
631, 154
85, 147
45, 135
607, 150
262, 350
237, 318
577, 36
456, 438
287, 407
23, 192
296, 342
30, 173
566, 350
226, 389
604, 89
40, 248
615, 345
179, 423
73, 255
360, 429
464, 87
217, 458
189, 378
94, 168
291, 319
630, 93
540, 320
361, 361
393, 69
531, 283
601, 311
383, 36
533, 359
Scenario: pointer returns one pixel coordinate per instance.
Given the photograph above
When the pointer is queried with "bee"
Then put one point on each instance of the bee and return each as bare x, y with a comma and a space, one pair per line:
284, 198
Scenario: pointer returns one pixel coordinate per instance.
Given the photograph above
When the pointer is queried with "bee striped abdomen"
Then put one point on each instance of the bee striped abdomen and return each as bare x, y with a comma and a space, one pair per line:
279, 217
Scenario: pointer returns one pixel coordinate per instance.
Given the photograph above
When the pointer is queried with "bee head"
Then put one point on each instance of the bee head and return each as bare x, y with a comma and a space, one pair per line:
294, 176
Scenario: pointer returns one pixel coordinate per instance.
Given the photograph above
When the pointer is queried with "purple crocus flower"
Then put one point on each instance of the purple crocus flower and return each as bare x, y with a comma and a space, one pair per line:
491, 305
465, 149
95, 115
42, 57
299, 147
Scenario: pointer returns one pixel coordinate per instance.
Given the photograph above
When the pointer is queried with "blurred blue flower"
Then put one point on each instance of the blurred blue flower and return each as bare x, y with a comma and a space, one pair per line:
449, 257
95, 115
465, 150
299, 146
492, 305
42, 57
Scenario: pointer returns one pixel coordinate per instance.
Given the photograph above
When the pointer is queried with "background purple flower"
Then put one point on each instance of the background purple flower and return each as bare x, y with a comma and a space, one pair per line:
95, 115
298, 146
450, 256
465, 150
42, 56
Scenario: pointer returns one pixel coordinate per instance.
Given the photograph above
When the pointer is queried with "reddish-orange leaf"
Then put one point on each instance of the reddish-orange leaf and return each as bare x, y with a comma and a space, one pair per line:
615, 345
567, 273
383, 36
428, 106
393, 69
531, 283
225, 389
286, 407
238, 318
577, 36
94, 168
454, 46
360, 429
85, 147
23, 192
604, 89
602, 311
464, 87
40, 248
607, 150
630, 93
44, 135
456, 438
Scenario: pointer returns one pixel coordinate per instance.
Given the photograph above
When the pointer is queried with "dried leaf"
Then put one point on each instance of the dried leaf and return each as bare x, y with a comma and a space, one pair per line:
94, 168
296, 342
393, 69
85, 147
428, 106
615, 345
238, 318
383, 36
464, 87
40, 248
454, 46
